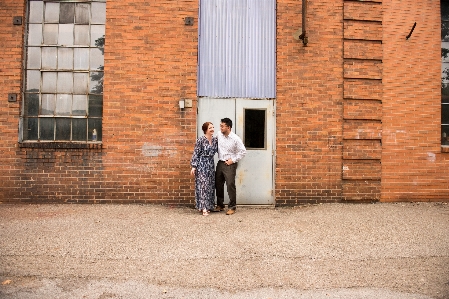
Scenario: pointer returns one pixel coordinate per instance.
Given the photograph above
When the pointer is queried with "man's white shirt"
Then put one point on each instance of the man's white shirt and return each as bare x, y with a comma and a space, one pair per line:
230, 147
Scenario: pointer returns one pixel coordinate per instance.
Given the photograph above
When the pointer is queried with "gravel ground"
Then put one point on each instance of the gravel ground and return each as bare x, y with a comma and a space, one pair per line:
395, 250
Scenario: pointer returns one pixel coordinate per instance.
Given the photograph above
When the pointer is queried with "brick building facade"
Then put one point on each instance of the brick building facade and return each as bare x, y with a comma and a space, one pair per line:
357, 109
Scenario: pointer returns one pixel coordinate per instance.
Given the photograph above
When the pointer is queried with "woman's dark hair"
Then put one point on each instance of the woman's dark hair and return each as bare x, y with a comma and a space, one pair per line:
206, 126
227, 121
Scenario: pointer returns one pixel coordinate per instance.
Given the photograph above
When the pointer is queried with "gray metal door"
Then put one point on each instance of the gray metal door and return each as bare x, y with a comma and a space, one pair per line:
253, 121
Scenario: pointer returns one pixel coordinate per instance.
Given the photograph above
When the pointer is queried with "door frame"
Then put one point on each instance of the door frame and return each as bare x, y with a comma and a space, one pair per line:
223, 104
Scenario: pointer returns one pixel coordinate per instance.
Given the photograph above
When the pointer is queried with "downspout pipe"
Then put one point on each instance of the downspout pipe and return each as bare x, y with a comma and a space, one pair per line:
303, 35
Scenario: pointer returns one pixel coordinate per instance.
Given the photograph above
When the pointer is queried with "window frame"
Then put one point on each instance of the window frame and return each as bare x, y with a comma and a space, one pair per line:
444, 133
85, 92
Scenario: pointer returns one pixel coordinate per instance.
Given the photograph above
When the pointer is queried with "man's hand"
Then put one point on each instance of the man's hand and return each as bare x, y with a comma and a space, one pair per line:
229, 162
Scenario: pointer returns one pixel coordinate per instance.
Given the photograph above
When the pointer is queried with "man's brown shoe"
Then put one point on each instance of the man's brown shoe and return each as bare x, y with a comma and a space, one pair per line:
218, 209
230, 212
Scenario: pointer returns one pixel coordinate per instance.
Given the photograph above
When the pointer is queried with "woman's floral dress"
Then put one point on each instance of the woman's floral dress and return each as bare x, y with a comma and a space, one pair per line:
203, 161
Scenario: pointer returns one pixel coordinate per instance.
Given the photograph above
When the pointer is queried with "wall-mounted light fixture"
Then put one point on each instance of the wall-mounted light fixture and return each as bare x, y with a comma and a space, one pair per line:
185, 103
188, 103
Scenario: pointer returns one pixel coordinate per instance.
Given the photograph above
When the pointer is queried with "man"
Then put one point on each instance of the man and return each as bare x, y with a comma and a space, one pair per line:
230, 151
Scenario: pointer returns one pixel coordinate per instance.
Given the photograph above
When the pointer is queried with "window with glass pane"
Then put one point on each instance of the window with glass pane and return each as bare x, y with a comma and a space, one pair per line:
445, 72
255, 129
64, 67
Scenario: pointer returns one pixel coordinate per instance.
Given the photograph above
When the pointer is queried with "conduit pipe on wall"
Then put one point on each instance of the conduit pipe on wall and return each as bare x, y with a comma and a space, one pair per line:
411, 31
303, 35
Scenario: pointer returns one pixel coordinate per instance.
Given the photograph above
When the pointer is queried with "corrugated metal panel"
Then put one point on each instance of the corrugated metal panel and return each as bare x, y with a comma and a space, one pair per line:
237, 48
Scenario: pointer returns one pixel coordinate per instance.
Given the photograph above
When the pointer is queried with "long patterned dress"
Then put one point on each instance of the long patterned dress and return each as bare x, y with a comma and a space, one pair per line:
203, 161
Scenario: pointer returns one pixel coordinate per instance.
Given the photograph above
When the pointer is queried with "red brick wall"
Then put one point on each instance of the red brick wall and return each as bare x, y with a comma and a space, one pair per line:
413, 165
150, 64
309, 104
362, 97
11, 42
357, 109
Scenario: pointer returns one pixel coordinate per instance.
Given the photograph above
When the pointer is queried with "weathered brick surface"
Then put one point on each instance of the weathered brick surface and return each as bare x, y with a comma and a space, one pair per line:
357, 109
362, 69
356, 129
150, 65
413, 165
363, 49
363, 89
309, 103
11, 40
363, 11
362, 170
363, 30
361, 190
362, 109
362, 149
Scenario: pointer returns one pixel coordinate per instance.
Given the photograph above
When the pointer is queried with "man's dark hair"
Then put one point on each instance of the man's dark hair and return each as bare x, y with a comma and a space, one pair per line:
227, 121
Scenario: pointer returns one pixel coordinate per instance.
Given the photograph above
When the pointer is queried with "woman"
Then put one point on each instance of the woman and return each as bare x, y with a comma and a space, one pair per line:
203, 169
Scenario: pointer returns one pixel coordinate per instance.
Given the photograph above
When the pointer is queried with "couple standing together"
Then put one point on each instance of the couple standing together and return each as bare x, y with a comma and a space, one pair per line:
230, 150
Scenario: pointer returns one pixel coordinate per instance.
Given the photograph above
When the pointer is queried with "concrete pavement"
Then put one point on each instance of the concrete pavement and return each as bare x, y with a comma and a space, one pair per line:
395, 250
